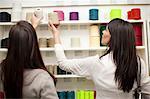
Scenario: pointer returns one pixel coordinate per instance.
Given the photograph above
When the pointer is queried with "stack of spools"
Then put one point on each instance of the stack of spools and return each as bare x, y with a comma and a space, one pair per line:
138, 34
94, 36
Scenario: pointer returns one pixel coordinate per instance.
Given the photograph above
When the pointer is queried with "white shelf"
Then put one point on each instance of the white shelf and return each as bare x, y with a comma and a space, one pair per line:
67, 76
76, 22
7, 23
68, 4
75, 49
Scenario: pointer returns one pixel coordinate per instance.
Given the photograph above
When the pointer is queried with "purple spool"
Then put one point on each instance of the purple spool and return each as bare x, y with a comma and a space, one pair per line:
74, 16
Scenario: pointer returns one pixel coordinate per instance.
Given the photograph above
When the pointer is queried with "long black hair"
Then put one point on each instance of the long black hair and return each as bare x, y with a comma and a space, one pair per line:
122, 45
23, 53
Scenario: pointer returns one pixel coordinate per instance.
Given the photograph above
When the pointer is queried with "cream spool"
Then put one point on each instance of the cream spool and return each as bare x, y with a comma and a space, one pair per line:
38, 12
29, 16
95, 41
94, 30
75, 42
50, 42
53, 16
42, 42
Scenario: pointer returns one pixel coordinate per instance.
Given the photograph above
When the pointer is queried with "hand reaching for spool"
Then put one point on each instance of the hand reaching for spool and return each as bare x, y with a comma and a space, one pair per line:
55, 32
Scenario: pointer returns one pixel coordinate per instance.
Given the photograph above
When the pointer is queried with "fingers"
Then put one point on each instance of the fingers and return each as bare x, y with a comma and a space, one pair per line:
51, 24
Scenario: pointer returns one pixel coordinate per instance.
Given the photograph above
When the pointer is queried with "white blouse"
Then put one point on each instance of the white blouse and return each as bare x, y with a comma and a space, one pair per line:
101, 71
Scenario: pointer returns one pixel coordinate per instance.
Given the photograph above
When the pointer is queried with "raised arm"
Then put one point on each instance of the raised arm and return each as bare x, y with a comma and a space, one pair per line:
35, 21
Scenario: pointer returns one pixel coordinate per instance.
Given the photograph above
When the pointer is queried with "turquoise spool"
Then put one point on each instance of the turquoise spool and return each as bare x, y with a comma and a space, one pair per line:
93, 14
70, 95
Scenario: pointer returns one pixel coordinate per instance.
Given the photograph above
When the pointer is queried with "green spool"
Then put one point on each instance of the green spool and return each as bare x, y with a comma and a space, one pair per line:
91, 94
78, 94
115, 13
86, 95
102, 28
81, 94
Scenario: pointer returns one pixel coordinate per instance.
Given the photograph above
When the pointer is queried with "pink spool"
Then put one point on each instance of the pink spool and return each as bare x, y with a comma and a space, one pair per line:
60, 15
138, 34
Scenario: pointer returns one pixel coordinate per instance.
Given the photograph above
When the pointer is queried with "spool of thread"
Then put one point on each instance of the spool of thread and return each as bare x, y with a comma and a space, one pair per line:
78, 94
43, 42
87, 95
38, 12
50, 42
70, 95
95, 41
29, 16
91, 94
94, 30
82, 94
138, 32
5, 17
93, 14
62, 95
102, 28
5, 43
115, 13
136, 13
129, 15
53, 16
16, 13
74, 16
60, 15
75, 42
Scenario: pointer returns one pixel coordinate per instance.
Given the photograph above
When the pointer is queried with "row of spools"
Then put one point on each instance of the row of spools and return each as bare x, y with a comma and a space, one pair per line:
95, 36
79, 94
58, 15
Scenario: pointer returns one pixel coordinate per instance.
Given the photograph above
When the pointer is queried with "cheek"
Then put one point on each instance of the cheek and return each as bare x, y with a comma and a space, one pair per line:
105, 39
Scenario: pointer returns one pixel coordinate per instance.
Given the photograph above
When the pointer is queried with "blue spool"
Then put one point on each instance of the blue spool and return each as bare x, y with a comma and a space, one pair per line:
93, 14
62, 95
71, 95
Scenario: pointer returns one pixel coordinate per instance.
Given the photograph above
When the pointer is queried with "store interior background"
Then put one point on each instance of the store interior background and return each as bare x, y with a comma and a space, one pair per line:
77, 29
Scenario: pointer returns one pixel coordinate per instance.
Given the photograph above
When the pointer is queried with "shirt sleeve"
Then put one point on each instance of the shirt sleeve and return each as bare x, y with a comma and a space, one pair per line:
145, 78
81, 67
48, 90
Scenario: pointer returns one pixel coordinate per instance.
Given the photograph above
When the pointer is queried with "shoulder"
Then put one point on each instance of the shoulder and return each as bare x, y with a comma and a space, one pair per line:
36, 76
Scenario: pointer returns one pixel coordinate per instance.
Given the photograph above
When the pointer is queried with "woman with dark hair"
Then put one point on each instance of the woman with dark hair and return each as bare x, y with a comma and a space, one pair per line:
114, 73
23, 72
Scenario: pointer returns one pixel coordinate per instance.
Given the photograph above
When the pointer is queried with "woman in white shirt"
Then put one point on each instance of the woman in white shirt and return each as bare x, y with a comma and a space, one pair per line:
114, 73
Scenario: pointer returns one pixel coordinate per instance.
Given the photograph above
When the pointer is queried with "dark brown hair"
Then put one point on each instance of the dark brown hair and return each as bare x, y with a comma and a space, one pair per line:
23, 53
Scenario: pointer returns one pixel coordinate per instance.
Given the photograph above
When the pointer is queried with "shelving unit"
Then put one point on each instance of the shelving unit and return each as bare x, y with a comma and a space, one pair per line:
148, 37
71, 29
